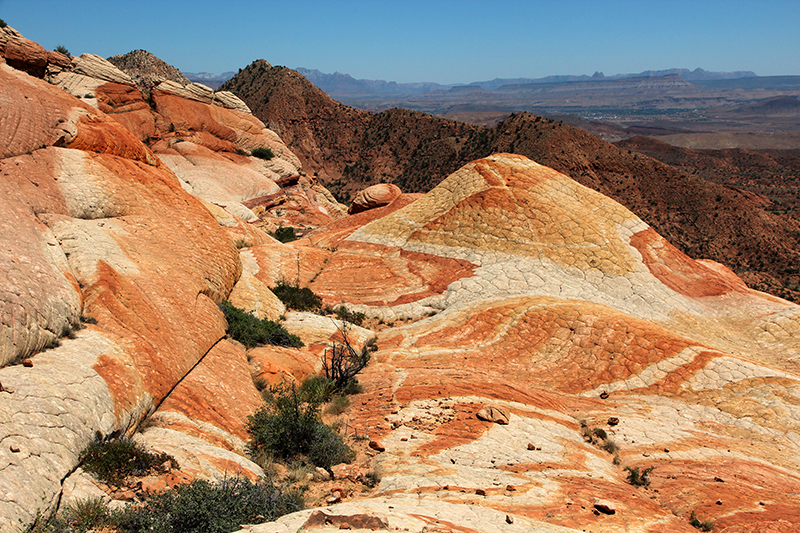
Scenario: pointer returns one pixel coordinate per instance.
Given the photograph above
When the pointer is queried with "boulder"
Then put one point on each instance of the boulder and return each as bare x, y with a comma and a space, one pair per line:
374, 196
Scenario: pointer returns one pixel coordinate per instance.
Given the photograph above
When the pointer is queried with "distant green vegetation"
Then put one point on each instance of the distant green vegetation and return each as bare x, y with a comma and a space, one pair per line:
63, 49
3, 23
284, 234
263, 153
297, 298
252, 331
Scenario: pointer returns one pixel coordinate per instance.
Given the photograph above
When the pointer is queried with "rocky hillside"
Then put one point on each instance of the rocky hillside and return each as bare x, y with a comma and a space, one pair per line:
546, 361
147, 70
349, 149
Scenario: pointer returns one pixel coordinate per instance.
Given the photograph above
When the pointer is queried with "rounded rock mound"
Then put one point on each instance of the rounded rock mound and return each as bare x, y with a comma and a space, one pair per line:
374, 196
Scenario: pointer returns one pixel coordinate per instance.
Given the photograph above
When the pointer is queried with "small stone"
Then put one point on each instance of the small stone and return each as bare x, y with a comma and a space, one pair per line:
125, 495
645, 454
14, 449
603, 395
719, 502
493, 413
509, 519
377, 445
511, 488
719, 480
480, 492
335, 497
322, 474
404, 439
531, 446
666, 450
604, 506
613, 421
27, 363
344, 525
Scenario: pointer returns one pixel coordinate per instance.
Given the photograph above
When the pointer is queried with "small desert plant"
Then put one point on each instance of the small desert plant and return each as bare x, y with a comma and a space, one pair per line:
252, 331
284, 234
111, 461
371, 479
263, 153
3, 23
600, 433
88, 319
208, 507
638, 479
708, 525
316, 390
294, 297
287, 427
241, 243
86, 515
610, 446
345, 315
63, 49
338, 405
341, 362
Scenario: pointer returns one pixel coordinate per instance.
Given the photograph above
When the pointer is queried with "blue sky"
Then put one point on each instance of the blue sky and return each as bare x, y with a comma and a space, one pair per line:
443, 41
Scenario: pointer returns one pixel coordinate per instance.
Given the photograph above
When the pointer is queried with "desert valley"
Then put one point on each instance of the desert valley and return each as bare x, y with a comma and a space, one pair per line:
555, 333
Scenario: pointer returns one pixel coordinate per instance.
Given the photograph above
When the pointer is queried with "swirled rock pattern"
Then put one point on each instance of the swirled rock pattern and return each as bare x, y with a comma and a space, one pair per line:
564, 309
508, 288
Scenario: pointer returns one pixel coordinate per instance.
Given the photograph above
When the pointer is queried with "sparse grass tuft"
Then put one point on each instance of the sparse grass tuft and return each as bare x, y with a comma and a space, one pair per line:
708, 525
338, 405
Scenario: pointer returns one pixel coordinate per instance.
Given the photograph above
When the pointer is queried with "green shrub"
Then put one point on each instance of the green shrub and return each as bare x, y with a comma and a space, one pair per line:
638, 479
3, 23
263, 153
287, 426
345, 315
708, 525
207, 507
63, 50
284, 234
328, 449
316, 390
294, 297
114, 460
252, 331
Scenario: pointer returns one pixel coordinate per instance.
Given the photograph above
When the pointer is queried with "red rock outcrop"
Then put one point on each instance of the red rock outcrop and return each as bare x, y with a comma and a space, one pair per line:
374, 196
573, 316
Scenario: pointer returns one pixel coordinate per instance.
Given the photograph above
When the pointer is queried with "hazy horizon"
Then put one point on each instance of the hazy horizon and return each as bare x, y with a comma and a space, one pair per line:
447, 41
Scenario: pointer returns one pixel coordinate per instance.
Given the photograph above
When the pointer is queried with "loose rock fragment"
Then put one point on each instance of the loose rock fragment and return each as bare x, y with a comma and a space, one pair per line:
493, 413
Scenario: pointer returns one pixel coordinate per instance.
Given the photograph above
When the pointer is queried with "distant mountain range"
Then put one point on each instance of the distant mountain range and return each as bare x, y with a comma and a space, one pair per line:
339, 84
208, 79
